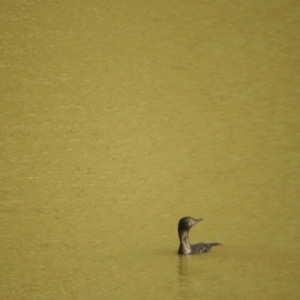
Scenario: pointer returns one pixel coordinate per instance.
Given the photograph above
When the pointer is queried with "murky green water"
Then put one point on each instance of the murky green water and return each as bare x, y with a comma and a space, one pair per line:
118, 119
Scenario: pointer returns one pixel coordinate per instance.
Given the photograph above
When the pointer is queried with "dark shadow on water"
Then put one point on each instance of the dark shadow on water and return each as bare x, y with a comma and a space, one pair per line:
184, 276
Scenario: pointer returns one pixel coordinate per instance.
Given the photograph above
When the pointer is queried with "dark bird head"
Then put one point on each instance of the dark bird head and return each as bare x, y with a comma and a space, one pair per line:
186, 223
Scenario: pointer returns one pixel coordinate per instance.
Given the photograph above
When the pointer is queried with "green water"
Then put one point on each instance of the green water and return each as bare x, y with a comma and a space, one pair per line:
119, 119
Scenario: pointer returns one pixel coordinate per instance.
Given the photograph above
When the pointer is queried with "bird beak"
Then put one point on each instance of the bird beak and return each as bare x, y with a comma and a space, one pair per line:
197, 221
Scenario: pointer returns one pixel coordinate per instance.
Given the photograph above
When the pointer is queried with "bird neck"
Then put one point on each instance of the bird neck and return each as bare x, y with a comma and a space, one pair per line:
185, 246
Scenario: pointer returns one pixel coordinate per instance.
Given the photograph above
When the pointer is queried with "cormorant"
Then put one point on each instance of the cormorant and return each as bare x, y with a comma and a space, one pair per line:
184, 226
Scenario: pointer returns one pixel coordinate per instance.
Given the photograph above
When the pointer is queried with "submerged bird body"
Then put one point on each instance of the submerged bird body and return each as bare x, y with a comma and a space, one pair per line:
184, 226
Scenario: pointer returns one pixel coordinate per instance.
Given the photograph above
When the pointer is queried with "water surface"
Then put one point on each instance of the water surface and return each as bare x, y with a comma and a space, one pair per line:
119, 119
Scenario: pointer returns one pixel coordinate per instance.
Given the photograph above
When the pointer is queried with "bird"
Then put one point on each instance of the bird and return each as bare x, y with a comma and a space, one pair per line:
185, 248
